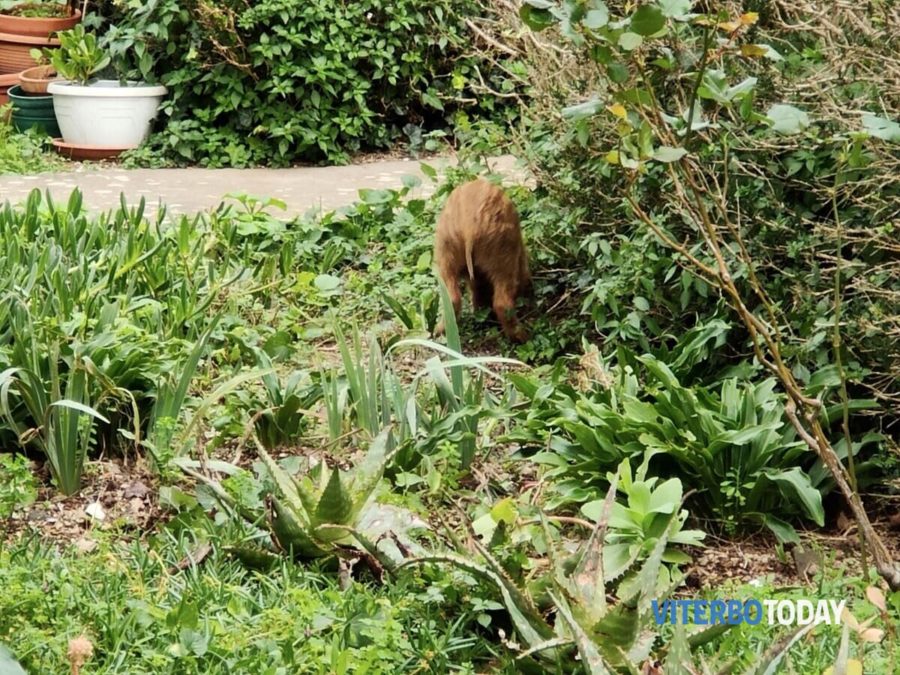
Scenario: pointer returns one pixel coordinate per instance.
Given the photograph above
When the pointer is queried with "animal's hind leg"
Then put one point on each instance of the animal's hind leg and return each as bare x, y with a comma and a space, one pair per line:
505, 309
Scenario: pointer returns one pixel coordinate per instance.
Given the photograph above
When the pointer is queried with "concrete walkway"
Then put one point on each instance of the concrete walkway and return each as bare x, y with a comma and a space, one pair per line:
193, 190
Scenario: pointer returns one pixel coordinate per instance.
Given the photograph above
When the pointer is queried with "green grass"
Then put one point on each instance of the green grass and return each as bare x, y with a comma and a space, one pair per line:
817, 651
218, 617
27, 153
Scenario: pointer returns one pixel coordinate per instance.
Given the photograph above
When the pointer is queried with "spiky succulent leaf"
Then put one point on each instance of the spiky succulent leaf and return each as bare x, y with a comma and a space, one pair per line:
642, 645
679, 660
308, 490
531, 627
253, 557
591, 658
587, 580
226, 500
368, 472
388, 561
554, 644
647, 582
768, 662
335, 507
285, 485
704, 634
618, 629
291, 533
385, 521
523, 600
618, 559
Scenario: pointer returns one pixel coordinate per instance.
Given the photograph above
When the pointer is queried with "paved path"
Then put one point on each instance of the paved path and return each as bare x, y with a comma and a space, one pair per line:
193, 190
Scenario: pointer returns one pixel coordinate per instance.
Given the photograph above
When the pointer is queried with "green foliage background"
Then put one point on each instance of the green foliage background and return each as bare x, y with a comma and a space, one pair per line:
281, 81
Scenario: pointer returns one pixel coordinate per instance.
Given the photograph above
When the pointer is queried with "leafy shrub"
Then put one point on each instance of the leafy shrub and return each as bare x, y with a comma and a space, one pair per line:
78, 57
573, 617
444, 403
732, 444
281, 81
95, 321
635, 527
682, 154
791, 175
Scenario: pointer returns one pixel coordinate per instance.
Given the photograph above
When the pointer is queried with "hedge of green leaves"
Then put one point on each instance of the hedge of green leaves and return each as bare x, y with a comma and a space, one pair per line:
281, 81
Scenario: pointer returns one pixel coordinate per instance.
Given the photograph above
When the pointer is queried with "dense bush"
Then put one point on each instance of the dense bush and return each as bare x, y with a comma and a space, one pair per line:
281, 81
783, 159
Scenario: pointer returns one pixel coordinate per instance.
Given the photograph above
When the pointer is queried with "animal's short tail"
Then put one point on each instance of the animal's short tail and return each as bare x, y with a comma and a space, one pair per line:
469, 265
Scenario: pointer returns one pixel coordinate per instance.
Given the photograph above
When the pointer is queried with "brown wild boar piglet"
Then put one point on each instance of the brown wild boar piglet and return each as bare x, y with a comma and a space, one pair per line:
479, 239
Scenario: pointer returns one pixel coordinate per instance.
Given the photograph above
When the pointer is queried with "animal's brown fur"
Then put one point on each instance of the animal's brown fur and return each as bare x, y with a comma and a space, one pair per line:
479, 239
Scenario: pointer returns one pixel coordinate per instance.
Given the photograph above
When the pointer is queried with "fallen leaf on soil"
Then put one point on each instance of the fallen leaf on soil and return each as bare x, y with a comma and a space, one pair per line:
85, 545
95, 511
195, 558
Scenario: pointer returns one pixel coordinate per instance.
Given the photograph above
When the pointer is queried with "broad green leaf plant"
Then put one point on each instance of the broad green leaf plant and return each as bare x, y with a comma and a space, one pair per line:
79, 56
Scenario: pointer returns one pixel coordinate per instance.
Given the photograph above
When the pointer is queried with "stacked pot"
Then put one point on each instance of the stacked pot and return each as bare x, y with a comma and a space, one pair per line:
96, 118
32, 106
18, 36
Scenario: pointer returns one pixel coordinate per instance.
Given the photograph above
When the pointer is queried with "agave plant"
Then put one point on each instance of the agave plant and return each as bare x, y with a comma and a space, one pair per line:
322, 513
581, 629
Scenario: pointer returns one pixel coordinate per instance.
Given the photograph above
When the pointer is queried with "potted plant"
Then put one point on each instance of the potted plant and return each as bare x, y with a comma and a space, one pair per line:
40, 19
28, 25
35, 80
31, 111
7, 82
32, 106
97, 112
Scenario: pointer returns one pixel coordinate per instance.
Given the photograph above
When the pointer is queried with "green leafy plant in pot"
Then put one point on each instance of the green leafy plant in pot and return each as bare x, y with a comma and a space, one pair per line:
90, 110
79, 57
44, 10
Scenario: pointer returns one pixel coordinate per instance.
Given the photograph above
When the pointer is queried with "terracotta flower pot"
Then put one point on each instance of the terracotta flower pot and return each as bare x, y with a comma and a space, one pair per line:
6, 82
93, 153
36, 80
37, 27
15, 51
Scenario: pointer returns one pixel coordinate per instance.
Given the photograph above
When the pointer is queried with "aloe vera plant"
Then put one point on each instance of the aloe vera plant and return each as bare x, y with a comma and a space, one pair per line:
324, 512
579, 628
285, 419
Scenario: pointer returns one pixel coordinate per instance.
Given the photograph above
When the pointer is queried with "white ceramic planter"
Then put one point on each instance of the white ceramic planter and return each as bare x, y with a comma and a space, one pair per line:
106, 113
